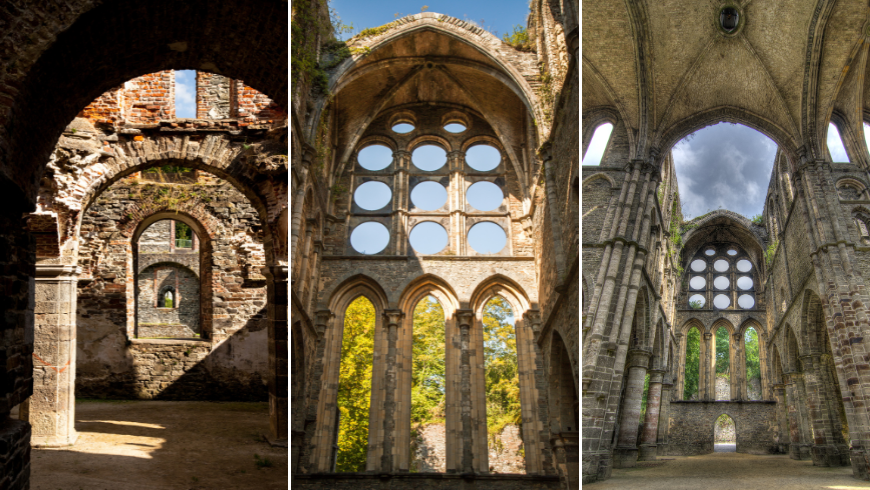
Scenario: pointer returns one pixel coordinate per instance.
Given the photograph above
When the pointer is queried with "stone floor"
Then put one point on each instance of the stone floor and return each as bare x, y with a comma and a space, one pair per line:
138, 445
730, 471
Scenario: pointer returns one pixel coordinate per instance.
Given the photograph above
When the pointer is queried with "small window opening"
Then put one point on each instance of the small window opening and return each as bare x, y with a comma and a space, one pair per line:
183, 235
185, 94
167, 299
600, 138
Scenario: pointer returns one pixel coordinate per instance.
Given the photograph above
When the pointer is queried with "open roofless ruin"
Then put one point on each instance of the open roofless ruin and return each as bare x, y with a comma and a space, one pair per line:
762, 321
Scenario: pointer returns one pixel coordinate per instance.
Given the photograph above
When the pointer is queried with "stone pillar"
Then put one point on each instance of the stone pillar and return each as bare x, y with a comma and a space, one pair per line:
664, 416
51, 409
465, 318
706, 375
647, 450
825, 452
278, 365
392, 318
799, 428
781, 416
566, 455
625, 454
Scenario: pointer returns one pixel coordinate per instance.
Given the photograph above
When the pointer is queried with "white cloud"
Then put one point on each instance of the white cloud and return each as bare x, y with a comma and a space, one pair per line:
185, 94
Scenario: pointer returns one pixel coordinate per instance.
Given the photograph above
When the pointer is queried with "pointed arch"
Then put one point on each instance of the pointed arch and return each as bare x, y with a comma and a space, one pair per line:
325, 433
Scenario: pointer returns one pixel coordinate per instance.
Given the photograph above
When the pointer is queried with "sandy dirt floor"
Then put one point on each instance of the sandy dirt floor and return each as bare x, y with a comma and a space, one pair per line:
730, 471
139, 445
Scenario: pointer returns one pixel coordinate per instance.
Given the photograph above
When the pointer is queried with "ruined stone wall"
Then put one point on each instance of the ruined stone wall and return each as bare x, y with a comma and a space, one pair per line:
233, 310
691, 426
429, 450
149, 98
356, 481
213, 96
179, 320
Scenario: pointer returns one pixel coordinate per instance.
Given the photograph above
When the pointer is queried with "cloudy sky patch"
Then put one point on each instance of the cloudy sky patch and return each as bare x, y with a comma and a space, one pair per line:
724, 166
185, 93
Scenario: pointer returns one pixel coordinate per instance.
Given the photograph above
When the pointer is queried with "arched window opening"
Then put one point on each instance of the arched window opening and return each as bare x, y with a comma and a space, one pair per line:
862, 222
355, 386
722, 360
503, 413
693, 365
835, 145
867, 136
598, 145
167, 278
428, 385
753, 364
724, 435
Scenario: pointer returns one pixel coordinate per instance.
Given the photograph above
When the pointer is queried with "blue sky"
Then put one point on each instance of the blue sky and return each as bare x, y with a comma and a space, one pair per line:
494, 16
185, 93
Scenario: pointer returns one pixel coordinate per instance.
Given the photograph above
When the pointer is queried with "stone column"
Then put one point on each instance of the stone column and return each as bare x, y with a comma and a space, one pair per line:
625, 454
648, 449
279, 412
664, 416
566, 455
51, 409
706, 376
825, 451
392, 318
465, 318
802, 441
781, 416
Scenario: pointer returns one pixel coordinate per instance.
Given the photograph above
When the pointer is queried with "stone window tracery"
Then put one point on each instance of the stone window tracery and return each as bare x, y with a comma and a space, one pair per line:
721, 275
862, 223
428, 197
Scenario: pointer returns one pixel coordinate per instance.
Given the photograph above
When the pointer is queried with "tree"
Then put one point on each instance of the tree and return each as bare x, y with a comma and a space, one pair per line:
753, 365
723, 359
355, 385
693, 363
428, 363
502, 373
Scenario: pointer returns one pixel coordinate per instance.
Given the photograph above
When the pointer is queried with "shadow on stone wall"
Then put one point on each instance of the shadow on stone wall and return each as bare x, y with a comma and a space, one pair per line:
185, 369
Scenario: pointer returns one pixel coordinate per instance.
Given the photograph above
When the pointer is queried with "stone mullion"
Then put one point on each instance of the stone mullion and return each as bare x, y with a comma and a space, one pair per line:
325, 390
392, 318
401, 206
51, 408
456, 203
465, 319
526, 356
647, 450
737, 358
453, 397
680, 362
664, 416
279, 407
705, 367
625, 453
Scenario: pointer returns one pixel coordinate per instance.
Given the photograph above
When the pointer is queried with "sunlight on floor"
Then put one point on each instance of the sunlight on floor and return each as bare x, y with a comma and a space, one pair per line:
118, 422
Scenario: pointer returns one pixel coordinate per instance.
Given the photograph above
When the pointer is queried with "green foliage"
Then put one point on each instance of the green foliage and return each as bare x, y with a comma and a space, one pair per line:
696, 304
167, 303
182, 231
167, 169
757, 219
675, 236
355, 385
375, 31
519, 39
723, 359
750, 346
428, 380
502, 373
770, 253
262, 462
693, 364
643, 398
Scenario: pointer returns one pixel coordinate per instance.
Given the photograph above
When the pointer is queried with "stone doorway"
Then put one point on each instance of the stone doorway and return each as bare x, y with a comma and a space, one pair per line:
724, 435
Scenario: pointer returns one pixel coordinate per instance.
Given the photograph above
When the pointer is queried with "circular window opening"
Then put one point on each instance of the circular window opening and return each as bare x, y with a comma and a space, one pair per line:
732, 252
744, 282
429, 157
721, 282
721, 265
455, 127
728, 19
744, 265
698, 265
721, 301
375, 157
697, 301
429, 196
746, 301
483, 158
710, 251
484, 196
403, 128
697, 282
487, 238
428, 238
372, 196
370, 238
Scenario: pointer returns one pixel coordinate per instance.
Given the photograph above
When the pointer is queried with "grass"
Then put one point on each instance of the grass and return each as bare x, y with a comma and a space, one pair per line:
262, 463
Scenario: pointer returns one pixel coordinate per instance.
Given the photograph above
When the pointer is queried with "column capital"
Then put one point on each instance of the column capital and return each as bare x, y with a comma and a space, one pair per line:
465, 318
277, 273
638, 358
534, 318
308, 154
321, 322
656, 375
708, 336
55, 272
393, 317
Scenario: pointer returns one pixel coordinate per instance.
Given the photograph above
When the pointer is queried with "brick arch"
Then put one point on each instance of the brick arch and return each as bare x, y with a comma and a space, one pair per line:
139, 38
217, 155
